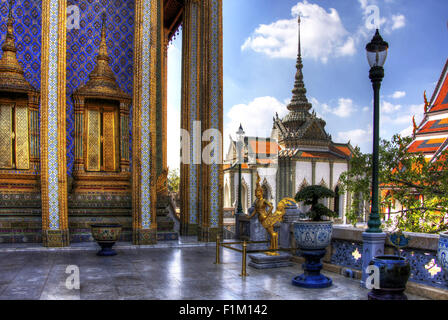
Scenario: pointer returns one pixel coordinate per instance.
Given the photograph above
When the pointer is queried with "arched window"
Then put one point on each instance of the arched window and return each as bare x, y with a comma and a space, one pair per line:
336, 201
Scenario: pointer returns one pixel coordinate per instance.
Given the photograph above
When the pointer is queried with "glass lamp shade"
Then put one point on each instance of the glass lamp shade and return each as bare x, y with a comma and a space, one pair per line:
377, 51
240, 133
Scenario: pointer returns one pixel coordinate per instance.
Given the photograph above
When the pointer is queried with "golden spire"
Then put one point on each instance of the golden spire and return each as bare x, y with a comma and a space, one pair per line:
103, 46
102, 74
11, 71
102, 79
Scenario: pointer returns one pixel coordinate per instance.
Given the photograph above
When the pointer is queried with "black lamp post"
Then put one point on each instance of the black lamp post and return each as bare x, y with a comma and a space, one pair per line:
240, 133
376, 56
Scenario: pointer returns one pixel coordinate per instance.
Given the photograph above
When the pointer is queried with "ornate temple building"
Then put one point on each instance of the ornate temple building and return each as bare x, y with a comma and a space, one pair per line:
83, 118
299, 153
431, 136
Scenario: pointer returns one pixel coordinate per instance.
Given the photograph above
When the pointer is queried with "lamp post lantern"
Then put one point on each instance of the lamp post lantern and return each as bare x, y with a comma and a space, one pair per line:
240, 133
376, 56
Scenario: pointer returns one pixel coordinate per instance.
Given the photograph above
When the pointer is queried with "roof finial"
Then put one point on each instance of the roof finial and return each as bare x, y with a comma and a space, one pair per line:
11, 4
9, 42
103, 46
299, 101
300, 49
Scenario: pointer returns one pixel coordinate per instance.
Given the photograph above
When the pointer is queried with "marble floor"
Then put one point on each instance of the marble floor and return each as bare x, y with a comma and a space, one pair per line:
163, 273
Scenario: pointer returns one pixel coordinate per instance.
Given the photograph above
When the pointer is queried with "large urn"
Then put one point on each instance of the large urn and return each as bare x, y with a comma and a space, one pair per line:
442, 251
106, 235
312, 239
394, 272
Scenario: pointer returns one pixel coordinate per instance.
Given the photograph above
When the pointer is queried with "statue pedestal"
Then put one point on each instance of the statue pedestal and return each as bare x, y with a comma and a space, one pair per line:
263, 261
257, 233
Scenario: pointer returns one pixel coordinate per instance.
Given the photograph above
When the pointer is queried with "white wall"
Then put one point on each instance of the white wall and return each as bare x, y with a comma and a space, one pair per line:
323, 173
303, 171
338, 169
270, 175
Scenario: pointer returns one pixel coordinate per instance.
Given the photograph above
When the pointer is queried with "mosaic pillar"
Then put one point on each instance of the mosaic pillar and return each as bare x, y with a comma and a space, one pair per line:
53, 124
147, 14
190, 117
211, 219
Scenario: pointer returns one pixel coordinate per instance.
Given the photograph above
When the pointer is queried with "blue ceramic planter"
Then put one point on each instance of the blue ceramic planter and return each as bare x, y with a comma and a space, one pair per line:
442, 251
312, 238
394, 274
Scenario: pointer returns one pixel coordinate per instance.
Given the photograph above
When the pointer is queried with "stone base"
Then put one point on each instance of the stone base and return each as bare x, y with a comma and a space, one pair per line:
55, 238
208, 234
167, 236
263, 261
145, 237
188, 229
106, 250
312, 278
384, 294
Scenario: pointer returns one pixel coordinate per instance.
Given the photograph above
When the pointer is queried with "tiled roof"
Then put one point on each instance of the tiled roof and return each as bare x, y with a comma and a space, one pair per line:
435, 126
262, 146
435, 123
439, 101
426, 146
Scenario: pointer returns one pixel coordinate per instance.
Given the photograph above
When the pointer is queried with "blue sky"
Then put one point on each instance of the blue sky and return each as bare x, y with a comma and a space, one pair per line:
260, 49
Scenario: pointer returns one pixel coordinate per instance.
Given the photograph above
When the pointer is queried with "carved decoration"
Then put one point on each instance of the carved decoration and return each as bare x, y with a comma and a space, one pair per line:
102, 117
19, 111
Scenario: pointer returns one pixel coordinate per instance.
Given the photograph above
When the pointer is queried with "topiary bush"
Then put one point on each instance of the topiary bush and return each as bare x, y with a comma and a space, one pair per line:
311, 196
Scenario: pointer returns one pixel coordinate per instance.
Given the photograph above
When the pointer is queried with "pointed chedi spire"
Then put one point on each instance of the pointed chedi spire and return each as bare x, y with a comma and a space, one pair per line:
299, 101
102, 78
299, 105
11, 71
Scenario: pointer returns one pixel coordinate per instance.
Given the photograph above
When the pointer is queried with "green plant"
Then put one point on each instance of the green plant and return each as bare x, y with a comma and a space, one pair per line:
414, 190
311, 196
173, 180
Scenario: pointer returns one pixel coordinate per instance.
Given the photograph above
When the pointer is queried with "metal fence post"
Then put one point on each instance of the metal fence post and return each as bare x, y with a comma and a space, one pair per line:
243, 268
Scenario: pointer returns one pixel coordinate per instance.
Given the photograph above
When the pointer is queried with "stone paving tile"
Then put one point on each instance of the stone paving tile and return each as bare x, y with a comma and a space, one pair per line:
156, 273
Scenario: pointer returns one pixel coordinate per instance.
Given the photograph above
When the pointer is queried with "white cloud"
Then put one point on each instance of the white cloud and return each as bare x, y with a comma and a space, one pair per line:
255, 117
322, 35
344, 109
403, 117
398, 21
387, 107
398, 94
356, 137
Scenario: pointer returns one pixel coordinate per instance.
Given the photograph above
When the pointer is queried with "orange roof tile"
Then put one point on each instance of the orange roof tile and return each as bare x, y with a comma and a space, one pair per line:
430, 145
435, 126
263, 146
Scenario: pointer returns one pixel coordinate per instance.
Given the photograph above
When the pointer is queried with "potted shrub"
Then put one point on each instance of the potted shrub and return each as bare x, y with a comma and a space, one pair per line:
313, 236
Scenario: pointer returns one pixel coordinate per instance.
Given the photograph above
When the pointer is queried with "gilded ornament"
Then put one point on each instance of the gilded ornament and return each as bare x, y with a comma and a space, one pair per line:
267, 218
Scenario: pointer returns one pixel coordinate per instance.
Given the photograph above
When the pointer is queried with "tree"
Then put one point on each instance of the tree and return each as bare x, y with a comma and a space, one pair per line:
173, 181
418, 185
311, 196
